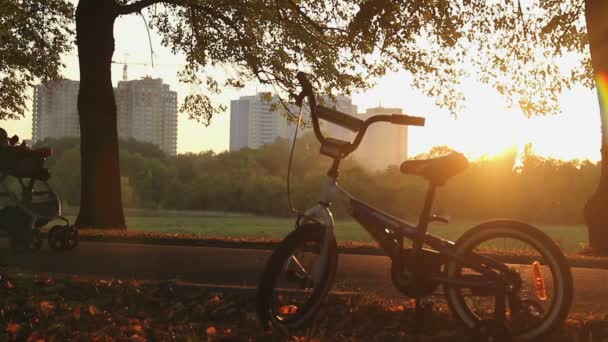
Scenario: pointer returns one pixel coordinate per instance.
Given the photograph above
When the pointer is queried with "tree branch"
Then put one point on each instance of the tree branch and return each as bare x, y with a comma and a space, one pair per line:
136, 7
318, 27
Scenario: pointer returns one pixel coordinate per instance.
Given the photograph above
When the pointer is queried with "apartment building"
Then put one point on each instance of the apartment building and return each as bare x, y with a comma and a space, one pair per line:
254, 122
55, 113
146, 109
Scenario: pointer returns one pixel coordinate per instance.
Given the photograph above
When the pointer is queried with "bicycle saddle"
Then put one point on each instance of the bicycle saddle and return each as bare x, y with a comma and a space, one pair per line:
437, 170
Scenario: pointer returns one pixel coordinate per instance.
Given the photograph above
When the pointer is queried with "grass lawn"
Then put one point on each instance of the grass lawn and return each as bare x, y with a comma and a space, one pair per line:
569, 237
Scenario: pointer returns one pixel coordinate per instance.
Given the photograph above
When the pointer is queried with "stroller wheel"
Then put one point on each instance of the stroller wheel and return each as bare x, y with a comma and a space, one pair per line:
36, 241
71, 238
58, 240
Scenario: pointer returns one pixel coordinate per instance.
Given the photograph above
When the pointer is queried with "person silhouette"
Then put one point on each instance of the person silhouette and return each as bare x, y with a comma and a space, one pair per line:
20, 160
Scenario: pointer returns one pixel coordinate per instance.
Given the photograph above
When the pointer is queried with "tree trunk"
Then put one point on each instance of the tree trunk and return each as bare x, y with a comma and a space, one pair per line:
100, 198
596, 209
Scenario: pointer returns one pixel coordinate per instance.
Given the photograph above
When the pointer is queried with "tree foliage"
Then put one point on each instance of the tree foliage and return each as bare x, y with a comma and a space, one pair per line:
537, 189
33, 35
530, 51
343, 44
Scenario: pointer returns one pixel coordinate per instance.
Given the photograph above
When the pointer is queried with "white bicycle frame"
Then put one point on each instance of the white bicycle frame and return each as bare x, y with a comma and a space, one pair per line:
320, 213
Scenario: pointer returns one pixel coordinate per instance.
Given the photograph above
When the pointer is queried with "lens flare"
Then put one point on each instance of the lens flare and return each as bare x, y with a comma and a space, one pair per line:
602, 90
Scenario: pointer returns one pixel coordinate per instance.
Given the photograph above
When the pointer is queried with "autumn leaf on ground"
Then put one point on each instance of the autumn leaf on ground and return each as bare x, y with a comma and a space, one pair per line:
288, 310
13, 329
396, 308
137, 338
102, 338
211, 331
93, 310
36, 337
305, 339
76, 311
137, 329
46, 307
571, 322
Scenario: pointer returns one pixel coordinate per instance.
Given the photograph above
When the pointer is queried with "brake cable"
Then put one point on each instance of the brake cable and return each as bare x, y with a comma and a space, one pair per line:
293, 145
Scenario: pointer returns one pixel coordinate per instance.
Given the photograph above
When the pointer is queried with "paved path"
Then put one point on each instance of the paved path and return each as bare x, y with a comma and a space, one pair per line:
229, 266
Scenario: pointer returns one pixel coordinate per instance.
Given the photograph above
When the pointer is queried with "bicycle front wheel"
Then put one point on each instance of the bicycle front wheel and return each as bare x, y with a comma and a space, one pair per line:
542, 293
296, 278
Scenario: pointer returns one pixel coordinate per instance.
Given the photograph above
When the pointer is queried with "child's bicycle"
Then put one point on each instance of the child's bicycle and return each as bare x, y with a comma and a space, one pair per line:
501, 278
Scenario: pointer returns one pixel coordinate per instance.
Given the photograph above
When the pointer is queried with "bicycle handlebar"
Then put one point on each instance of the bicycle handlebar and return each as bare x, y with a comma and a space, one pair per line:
406, 120
341, 119
349, 122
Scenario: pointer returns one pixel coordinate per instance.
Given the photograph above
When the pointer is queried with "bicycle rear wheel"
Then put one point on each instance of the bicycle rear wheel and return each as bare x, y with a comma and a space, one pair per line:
543, 282
296, 279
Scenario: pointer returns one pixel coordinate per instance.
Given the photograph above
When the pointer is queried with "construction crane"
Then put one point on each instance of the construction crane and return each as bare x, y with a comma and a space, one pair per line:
125, 62
125, 69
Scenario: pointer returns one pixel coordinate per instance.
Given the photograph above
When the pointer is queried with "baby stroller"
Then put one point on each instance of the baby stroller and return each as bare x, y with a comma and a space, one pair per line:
28, 203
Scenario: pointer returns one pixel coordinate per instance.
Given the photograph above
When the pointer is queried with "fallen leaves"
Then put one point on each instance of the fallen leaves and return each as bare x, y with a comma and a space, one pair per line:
69, 308
39, 309
215, 299
76, 312
36, 336
12, 329
288, 310
211, 331
396, 308
93, 310
46, 307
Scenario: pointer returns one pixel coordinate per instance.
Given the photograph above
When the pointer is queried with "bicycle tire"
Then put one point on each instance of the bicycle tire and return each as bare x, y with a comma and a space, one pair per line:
304, 234
543, 243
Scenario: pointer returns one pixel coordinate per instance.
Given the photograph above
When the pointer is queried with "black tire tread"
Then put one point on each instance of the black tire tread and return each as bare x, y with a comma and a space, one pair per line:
548, 243
305, 233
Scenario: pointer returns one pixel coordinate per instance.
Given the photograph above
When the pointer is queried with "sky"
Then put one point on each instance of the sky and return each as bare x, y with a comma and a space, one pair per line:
486, 126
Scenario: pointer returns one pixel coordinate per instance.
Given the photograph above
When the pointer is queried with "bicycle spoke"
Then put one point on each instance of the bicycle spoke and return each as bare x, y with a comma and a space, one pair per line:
301, 268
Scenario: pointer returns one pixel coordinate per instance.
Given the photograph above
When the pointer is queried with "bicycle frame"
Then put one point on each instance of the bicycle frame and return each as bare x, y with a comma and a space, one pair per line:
390, 232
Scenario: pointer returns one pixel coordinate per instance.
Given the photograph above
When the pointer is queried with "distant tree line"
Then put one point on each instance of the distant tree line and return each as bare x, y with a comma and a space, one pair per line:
537, 189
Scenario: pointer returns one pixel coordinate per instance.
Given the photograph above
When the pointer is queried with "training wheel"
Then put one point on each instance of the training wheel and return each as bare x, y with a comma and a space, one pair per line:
58, 240
71, 237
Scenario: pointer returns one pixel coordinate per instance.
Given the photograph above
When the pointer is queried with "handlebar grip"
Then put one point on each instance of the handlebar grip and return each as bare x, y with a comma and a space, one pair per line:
407, 120
304, 82
339, 118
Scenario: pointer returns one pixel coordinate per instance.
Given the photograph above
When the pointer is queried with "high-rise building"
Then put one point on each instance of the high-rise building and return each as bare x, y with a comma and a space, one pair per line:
147, 112
343, 104
146, 108
253, 123
55, 112
384, 144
